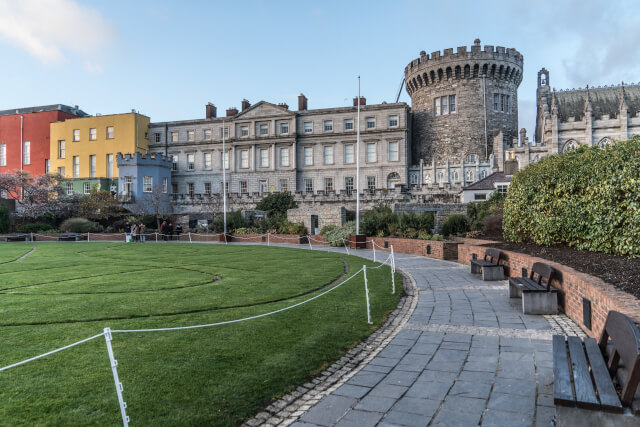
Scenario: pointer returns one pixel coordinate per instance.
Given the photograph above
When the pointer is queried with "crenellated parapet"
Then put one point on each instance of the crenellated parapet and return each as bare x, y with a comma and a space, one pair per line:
139, 159
490, 62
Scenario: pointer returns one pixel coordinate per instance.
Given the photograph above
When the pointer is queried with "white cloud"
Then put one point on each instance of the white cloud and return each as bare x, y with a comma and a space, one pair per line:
54, 30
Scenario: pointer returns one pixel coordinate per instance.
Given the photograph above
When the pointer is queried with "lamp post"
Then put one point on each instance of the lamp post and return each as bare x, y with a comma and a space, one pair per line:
358, 165
224, 181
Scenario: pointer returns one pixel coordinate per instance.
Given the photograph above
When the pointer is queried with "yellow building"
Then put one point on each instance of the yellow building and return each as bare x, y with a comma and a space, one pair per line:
87, 147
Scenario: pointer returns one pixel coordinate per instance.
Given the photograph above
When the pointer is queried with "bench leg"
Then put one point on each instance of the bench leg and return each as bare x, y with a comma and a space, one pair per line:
514, 291
476, 269
493, 273
540, 303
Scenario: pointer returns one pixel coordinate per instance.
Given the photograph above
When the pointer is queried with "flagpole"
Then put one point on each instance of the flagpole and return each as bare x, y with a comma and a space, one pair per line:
358, 165
224, 183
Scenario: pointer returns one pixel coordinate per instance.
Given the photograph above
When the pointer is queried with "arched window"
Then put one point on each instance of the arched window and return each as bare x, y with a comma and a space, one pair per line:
440, 176
470, 158
427, 178
468, 175
570, 145
454, 176
535, 159
605, 142
483, 174
393, 179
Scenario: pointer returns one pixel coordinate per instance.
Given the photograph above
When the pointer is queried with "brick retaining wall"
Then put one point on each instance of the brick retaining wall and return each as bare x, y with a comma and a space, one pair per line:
573, 286
428, 248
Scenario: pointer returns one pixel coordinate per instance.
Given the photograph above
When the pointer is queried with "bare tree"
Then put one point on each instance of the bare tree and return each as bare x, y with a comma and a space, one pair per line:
37, 196
156, 202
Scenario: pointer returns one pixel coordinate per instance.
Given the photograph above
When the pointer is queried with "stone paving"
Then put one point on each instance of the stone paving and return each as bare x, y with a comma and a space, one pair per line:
461, 354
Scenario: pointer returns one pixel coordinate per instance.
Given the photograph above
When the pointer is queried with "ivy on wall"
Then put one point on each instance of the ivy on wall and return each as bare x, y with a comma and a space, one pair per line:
588, 199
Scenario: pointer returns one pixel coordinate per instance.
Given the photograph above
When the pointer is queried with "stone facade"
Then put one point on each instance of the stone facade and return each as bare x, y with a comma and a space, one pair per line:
144, 182
316, 217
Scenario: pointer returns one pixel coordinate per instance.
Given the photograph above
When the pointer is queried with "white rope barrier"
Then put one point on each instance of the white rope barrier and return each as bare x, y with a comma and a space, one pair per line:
114, 370
393, 271
309, 241
366, 292
346, 248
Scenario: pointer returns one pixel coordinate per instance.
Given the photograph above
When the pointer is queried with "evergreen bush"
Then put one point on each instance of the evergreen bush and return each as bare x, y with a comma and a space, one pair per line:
80, 225
5, 219
588, 198
33, 227
455, 225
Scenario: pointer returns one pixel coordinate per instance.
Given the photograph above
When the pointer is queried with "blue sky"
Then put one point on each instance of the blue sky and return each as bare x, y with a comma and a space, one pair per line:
168, 59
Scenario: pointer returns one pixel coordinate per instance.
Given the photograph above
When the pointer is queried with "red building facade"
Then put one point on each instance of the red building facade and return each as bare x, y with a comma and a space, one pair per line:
24, 136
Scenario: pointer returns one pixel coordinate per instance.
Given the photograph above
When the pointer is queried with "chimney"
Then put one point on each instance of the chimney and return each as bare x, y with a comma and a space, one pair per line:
245, 104
211, 111
232, 111
302, 102
363, 101
283, 105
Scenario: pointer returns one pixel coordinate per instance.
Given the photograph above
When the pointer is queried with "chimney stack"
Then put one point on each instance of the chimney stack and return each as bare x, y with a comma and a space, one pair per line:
302, 102
211, 111
283, 105
363, 101
232, 111
245, 104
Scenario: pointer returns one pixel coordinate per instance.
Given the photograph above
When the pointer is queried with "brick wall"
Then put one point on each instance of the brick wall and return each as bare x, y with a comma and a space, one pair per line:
428, 248
573, 286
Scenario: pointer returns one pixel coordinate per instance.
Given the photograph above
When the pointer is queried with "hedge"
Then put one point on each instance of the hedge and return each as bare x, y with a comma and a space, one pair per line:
588, 199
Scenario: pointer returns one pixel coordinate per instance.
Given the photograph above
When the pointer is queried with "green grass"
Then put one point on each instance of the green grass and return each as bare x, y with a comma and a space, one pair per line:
64, 292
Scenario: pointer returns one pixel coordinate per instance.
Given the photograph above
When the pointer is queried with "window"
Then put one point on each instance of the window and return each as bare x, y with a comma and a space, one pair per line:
207, 160
224, 133
284, 157
3, 154
308, 185
483, 174
348, 184
328, 154
264, 158
371, 183
147, 184
495, 102
264, 130
191, 135
284, 128
244, 159
61, 171
174, 188
46, 165
471, 158
206, 134
207, 188
308, 127
226, 186
452, 103
478, 196
244, 131
348, 153
413, 179
328, 125
348, 124
436, 106
69, 188
76, 134
190, 189
444, 105
502, 103
76, 166
191, 161
370, 122
502, 188
109, 132
454, 176
468, 175
26, 153
156, 137
506, 105
92, 166
61, 151
146, 135
93, 134
225, 159
243, 186
86, 187
393, 121
284, 185
263, 186
308, 156
174, 136
165, 185
174, 166
394, 155
328, 184
371, 152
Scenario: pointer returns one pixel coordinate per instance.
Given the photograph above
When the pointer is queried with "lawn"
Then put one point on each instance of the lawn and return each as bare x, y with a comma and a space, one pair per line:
63, 292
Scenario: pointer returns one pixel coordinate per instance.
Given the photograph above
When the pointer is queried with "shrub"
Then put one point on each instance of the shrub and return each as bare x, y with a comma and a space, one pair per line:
327, 229
455, 225
33, 227
588, 198
437, 237
423, 222
80, 225
337, 236
276, 203
478, 211
424, 236
290, 228
378, 219
5, 219
493, 225
235, 220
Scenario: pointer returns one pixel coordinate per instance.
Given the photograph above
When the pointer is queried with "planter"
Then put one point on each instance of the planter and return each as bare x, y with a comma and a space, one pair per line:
358, 241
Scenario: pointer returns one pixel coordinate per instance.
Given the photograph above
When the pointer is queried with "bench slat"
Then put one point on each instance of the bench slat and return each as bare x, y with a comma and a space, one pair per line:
482, 262
585, 394
606, 391
562, 391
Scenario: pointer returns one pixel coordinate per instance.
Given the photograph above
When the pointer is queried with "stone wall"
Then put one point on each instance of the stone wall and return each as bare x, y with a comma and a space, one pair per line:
427, 248
573, 286
327, 215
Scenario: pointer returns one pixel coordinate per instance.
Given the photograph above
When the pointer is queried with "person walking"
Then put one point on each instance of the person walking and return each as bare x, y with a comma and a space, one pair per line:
134, 232
178, 231
170, 231
141, 237
163, 230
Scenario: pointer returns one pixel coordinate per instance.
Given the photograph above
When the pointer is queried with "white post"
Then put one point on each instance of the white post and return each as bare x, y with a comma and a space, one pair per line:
309, 241
156, 233
358, 165
224, 185
32, 236
366, 292
373, 245
225, 233
190, 237
393, 272
114, 370
268, 244
346, 248
88, 238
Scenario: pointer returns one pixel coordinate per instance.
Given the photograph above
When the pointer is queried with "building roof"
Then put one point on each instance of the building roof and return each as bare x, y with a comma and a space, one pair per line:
489, 182
604, 100
39, 109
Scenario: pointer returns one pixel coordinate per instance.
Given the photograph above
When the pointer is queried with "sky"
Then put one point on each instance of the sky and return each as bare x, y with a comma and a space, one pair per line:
167, 59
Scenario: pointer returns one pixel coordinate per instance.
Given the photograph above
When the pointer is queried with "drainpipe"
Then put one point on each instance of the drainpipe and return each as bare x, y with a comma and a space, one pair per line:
484, 100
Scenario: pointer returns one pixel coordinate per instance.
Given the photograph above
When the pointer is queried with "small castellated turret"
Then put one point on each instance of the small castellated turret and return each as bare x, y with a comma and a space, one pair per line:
459, 100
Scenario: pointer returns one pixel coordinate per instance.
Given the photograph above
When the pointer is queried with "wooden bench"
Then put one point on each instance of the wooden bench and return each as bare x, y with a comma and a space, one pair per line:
585, 374
489, 266
538, 296
68, 237
17, 237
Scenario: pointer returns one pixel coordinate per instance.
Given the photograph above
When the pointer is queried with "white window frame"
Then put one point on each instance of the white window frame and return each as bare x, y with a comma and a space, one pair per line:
307, 127
371, 183
174, 162
308, 185
244, 187
264, 157
328, 154
394, 121
191, 161
86, 188
165, 185
263, 129
328, 184
110, 132
370, 123
452, 104
349, 153
207, 188
224, 159
76, 167
191, 189
3, 154
349, 181
26, 153
61, 149
76, 135
284, 185
244, 131
284, 128
284, 157
371, 155
394, 151
147, 184
206, 134
69, 188
92, 166
307, 153
207, 161
157, 137
244, 159
348, 124
191, 135
327, 125
175, 136
93, 134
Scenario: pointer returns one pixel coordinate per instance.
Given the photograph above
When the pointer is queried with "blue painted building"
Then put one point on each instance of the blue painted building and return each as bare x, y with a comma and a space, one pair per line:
144, 183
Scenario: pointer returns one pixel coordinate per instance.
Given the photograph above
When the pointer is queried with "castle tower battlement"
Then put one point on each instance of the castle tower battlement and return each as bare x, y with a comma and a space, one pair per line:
138, 159
461, 100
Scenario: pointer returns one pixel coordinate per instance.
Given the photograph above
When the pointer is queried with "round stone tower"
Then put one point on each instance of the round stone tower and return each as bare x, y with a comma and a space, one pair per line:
459, 101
